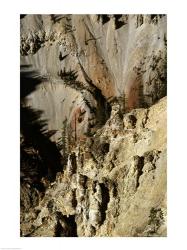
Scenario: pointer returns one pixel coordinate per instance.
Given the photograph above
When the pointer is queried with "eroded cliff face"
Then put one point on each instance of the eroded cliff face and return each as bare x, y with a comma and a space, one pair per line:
104, 92
124, 56
114, 185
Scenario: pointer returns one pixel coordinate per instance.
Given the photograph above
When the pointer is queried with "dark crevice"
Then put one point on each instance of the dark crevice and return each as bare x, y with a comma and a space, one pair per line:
105, 201
133, 120
144, 122
105, 148
104, 18
140, 20
74, 200
118, 22
118, 16
83, 181
103, 108
140, 165
73, 163
59, 230
115, 190
22, 16
92, 230
153, 16
70, 220
69, 228
50, 206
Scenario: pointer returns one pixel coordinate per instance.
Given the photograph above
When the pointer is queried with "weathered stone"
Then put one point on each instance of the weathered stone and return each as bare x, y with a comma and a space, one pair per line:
105, 95
110, 201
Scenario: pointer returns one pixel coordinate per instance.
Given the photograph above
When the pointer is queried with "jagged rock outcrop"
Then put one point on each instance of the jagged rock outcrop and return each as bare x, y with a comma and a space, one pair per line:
93, 127
114, 185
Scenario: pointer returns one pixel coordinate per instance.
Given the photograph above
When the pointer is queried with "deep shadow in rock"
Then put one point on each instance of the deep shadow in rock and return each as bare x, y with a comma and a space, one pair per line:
29, 80
22, 16
34, 133
118, 23
105, 201
104, 18
70, 226
34, 129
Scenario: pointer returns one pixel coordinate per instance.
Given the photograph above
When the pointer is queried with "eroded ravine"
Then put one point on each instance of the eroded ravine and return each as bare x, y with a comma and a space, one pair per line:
93, 127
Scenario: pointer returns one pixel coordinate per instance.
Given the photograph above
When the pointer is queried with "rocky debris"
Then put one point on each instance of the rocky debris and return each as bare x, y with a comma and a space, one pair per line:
93, 198
32, 43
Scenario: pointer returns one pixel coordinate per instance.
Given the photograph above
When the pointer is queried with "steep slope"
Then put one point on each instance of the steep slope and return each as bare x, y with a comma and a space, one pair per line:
122, 55
93, 125
114, 185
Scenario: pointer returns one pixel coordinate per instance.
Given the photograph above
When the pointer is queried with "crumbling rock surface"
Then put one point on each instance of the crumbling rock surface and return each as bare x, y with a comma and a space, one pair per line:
93, 126
117, 188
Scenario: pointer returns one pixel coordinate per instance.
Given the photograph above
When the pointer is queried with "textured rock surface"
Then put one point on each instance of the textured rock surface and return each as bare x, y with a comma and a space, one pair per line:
123, 55
103, 172
115, 185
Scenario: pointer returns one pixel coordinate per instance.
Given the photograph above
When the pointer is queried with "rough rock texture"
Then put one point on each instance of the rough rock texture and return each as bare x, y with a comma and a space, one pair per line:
103, 95
114, 185
123, 55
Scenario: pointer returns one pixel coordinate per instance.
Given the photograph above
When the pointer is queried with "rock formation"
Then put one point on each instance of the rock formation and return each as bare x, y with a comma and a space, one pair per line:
93, 125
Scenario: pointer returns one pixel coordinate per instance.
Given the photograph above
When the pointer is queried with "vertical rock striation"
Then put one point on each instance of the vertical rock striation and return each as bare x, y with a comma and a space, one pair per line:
103, 99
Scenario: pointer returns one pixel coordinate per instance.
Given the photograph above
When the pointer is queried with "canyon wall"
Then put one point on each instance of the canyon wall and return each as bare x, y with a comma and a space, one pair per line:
124, 56
103, 92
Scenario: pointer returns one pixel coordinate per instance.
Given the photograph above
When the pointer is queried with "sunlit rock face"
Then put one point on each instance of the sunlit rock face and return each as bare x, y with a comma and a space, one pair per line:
123, 55
104, 93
